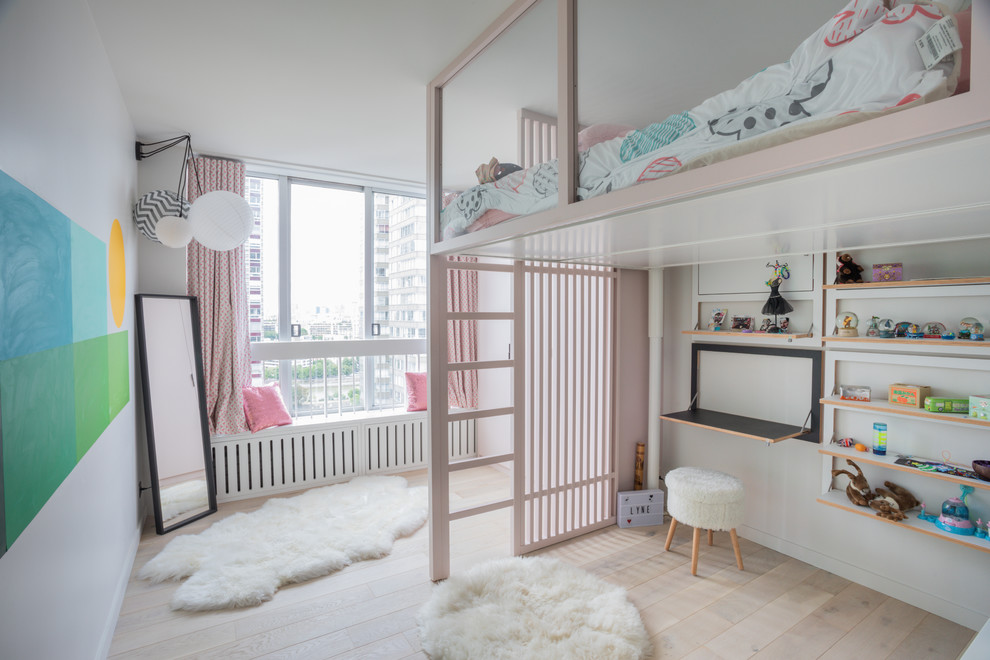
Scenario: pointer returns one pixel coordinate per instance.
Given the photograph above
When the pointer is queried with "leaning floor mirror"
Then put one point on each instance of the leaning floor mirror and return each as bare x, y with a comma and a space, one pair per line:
182, 480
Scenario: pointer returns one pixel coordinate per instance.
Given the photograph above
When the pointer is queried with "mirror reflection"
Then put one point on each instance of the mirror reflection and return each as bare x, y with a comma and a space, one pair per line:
175, 410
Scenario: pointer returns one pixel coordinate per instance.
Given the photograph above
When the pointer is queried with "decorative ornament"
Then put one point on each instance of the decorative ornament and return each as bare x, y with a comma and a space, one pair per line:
845, 324
970, 328
886, 328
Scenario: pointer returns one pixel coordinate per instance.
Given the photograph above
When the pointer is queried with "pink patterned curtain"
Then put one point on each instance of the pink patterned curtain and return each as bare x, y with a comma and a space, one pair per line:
462, 336
218, 280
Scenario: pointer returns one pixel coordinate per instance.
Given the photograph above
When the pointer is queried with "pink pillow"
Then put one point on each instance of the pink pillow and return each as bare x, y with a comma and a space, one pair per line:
264, 408
596, 133
415, 391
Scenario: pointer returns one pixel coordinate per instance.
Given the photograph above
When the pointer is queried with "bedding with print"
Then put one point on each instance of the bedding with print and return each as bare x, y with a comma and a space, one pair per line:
861, 64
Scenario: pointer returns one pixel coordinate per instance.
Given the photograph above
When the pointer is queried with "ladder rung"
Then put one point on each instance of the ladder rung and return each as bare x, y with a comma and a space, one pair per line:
477, 510
488, 364
478, 414
469, 463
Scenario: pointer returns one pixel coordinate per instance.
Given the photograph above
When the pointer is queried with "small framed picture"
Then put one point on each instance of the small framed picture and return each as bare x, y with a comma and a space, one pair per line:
718, 317
742, 323
767, 322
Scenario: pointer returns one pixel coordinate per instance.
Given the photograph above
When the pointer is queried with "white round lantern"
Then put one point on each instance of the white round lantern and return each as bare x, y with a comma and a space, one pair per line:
221, 220
174, 232
155, 205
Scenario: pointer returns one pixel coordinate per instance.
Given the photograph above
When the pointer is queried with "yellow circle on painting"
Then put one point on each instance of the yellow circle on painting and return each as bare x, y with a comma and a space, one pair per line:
117, 273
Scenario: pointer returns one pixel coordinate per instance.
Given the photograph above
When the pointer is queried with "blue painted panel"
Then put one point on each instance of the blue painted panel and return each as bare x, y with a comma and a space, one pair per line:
89, 284
35, 273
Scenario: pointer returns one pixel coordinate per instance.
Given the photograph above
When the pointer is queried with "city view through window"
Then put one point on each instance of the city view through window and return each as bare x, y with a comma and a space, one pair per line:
312, 278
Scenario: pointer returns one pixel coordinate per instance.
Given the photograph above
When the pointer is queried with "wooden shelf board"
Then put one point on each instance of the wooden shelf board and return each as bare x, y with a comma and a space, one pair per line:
948, 281
839, 500
735, 333
885, 407
904, 341
748, 427
888, 462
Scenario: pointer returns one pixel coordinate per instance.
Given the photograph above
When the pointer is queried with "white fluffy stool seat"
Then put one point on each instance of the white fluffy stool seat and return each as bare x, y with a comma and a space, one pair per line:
704, 499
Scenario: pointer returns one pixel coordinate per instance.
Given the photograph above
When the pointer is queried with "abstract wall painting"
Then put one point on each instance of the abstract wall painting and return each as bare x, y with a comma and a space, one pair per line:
64, 374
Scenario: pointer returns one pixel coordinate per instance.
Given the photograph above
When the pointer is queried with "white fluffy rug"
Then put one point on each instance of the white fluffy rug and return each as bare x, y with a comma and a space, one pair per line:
531, 608
242, 559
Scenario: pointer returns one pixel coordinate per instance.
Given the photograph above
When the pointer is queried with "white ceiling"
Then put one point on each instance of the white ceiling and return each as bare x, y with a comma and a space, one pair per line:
331, 84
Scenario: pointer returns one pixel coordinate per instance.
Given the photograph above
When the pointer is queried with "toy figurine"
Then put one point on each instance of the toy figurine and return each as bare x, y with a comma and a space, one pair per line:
858, 489
955, 514
891, 504
874, 329
847, 271
776, 304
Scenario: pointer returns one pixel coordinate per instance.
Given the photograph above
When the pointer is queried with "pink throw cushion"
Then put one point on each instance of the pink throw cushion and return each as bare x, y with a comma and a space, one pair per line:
415, 391
596, 133
264, 408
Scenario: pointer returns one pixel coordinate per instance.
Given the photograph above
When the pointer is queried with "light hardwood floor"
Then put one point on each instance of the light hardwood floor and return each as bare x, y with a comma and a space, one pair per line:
778, 607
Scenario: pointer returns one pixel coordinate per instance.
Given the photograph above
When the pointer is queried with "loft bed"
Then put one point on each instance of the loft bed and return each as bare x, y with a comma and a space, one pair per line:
911, 173
876, 159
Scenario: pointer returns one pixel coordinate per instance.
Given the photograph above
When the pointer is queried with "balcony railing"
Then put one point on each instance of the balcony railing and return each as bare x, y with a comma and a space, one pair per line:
327, 378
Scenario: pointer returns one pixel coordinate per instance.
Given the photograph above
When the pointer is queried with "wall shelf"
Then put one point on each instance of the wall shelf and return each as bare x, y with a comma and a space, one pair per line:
740, 335
749, 427
948, 366
965, 344
838, 499
885, 407
888, 462
948, 281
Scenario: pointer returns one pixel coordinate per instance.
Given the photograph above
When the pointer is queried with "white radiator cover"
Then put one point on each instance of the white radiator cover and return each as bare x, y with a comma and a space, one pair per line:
290, 458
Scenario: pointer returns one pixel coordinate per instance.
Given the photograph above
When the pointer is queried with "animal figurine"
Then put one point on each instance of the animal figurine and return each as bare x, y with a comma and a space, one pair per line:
858, 489
494, 170
847, 270
891, 504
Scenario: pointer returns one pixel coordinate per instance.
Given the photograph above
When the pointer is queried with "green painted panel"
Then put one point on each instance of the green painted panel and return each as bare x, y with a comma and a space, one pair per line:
39, 435
120, 371
92, 387
89, 284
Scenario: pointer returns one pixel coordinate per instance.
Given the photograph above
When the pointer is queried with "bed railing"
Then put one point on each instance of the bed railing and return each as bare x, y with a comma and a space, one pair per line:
537, 137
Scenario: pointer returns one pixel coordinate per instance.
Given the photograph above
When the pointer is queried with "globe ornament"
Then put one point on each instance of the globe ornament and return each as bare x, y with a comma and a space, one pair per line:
845, 324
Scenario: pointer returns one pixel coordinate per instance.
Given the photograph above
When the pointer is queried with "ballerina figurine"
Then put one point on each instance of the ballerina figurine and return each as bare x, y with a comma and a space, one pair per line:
776, 304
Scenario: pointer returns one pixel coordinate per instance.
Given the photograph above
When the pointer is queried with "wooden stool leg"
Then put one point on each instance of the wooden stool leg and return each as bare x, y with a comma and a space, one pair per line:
670, 533
694, 551
735, 547
710, 535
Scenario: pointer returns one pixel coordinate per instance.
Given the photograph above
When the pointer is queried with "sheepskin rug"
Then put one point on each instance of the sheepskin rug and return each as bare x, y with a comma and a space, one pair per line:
244, 558
531, 608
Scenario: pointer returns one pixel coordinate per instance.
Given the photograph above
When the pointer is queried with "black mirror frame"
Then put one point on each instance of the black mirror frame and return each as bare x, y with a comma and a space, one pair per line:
149, 423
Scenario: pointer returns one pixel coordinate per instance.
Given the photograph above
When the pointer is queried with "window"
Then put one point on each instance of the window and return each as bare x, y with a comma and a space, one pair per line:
345, 281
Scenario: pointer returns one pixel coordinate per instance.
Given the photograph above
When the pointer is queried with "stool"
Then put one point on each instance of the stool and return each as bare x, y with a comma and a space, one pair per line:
704, 499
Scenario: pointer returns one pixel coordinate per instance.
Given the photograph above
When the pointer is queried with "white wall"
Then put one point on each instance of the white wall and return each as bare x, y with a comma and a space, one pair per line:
782, 481
67, 136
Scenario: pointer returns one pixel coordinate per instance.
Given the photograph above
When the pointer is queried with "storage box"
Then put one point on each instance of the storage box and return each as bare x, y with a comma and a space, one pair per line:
946, 405
639, 508
854, 392
909, 395
887, 272
979, 406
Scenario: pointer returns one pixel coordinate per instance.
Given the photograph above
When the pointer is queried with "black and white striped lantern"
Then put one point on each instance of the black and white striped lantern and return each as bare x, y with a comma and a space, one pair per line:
153, 206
